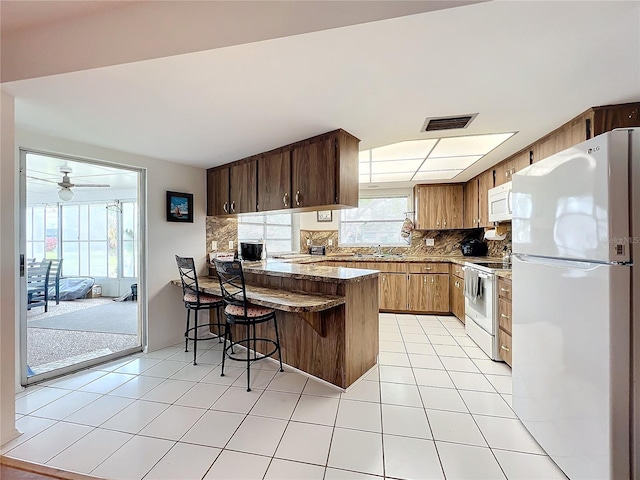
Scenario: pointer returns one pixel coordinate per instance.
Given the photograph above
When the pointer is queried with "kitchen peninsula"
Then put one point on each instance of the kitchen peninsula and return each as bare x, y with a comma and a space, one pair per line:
327, 316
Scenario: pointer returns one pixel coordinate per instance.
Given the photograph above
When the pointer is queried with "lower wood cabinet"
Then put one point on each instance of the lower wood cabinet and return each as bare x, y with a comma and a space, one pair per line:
456, 296
428, 293
504, 319
393, 291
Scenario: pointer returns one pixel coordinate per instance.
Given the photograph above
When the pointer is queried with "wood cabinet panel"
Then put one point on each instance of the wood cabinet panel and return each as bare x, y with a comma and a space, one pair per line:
457, 270
428, 267
274, 181
418, 293
502, 171
504, 346
313, 173
545, 147
439, 293
504, 314
485, 183
471, 213
243, 187
428, 293
392, 267
439, 207
609, 117
218, 192
456, 296
347, 184
504, 288
452, 206
393, 291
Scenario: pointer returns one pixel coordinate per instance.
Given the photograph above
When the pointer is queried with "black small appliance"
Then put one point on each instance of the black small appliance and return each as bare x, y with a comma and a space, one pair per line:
474, 248
251, 251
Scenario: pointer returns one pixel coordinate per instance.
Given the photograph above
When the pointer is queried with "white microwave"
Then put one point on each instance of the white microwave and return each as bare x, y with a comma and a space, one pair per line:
500, 208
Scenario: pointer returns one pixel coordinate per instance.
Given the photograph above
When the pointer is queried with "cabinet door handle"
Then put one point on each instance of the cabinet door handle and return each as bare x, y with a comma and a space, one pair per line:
225, 207
506, 174
233, 207
444, 223
424, 281
427, 268
504, 316
438, 223
285, 200
433, 280
505, 348
298, 198
505, 290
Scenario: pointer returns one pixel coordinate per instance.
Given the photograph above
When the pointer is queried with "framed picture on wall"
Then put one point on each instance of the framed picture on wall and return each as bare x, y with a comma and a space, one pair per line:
325, 215
179, 207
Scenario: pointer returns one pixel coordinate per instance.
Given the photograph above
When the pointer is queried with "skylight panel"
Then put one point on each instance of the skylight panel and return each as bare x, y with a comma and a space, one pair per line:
403, 150
469, 145
396, 166
436, 175
449, 163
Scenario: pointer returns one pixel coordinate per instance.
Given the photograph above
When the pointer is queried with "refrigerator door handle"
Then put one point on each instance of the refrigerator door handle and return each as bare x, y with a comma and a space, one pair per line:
560, 263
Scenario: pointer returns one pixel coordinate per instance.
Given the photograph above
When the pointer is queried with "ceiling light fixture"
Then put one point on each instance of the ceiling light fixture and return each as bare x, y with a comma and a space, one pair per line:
65, 194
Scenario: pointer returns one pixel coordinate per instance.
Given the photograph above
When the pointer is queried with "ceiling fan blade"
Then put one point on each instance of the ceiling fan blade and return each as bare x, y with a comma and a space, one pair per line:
41, 179
91, 185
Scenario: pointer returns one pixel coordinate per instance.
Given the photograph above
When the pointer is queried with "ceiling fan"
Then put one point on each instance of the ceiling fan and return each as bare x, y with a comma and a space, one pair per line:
65, 193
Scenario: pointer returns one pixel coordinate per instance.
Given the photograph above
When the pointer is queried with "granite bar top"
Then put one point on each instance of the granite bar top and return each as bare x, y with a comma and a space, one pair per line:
308, 269
277, 299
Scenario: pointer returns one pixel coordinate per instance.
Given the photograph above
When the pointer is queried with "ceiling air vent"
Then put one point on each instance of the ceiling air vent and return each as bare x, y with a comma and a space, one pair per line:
434, 124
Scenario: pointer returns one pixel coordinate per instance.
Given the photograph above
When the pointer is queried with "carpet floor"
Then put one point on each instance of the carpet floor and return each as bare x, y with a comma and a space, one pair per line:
114, 317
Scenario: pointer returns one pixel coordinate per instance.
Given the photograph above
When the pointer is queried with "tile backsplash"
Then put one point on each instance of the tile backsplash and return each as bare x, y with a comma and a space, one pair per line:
446, 242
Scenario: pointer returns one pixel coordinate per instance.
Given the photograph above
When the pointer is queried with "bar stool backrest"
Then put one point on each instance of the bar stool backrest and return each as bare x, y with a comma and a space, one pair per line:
188, 277
231, 278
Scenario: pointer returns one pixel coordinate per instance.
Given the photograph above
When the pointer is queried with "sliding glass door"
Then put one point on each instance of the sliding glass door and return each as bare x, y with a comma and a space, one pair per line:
81, 223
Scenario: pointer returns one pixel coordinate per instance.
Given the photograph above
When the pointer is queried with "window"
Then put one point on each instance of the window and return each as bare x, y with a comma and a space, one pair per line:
376, 221
279, 231
92, 239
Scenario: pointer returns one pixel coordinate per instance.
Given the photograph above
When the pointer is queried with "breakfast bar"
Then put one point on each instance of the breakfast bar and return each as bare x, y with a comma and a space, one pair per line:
327, 316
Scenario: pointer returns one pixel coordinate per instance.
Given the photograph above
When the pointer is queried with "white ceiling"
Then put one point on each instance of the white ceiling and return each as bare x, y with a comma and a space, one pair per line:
525, 67
43, 174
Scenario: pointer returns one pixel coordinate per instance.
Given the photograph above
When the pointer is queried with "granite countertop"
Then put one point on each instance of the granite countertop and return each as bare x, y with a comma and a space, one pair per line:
504, 273
274, 298
307, 269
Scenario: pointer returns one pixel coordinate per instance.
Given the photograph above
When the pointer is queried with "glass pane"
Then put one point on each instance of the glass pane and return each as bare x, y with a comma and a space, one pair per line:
70, 223
84, 259
372, 233
128, 218
51, 239
250, 232
281, 219
98, 259
278, 232
71, 263
84, 222
38, 250
97, 222
278, 246
128, 259
392, 208
29, 223
37, 231
251, 219
29, 251
112, 222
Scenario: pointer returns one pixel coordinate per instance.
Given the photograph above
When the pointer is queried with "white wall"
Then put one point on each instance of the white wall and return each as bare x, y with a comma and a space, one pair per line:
308, 221
8, 271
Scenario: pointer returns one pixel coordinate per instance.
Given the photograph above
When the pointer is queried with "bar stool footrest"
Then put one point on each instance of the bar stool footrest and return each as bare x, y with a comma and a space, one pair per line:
250, 340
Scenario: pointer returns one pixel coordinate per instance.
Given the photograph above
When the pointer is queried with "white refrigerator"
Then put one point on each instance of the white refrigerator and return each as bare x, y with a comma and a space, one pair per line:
576, 305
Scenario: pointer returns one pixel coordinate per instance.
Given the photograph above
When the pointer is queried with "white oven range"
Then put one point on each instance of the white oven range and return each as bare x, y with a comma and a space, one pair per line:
481, 315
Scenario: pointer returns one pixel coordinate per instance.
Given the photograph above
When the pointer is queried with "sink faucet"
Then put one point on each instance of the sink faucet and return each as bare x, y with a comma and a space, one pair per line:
378, 251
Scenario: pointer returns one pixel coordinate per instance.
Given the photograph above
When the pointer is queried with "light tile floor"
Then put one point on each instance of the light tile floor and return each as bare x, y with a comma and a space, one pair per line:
435, 407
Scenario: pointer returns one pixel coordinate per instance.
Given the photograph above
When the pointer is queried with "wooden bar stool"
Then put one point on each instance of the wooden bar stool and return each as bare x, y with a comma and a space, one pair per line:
240, 312
196, 301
